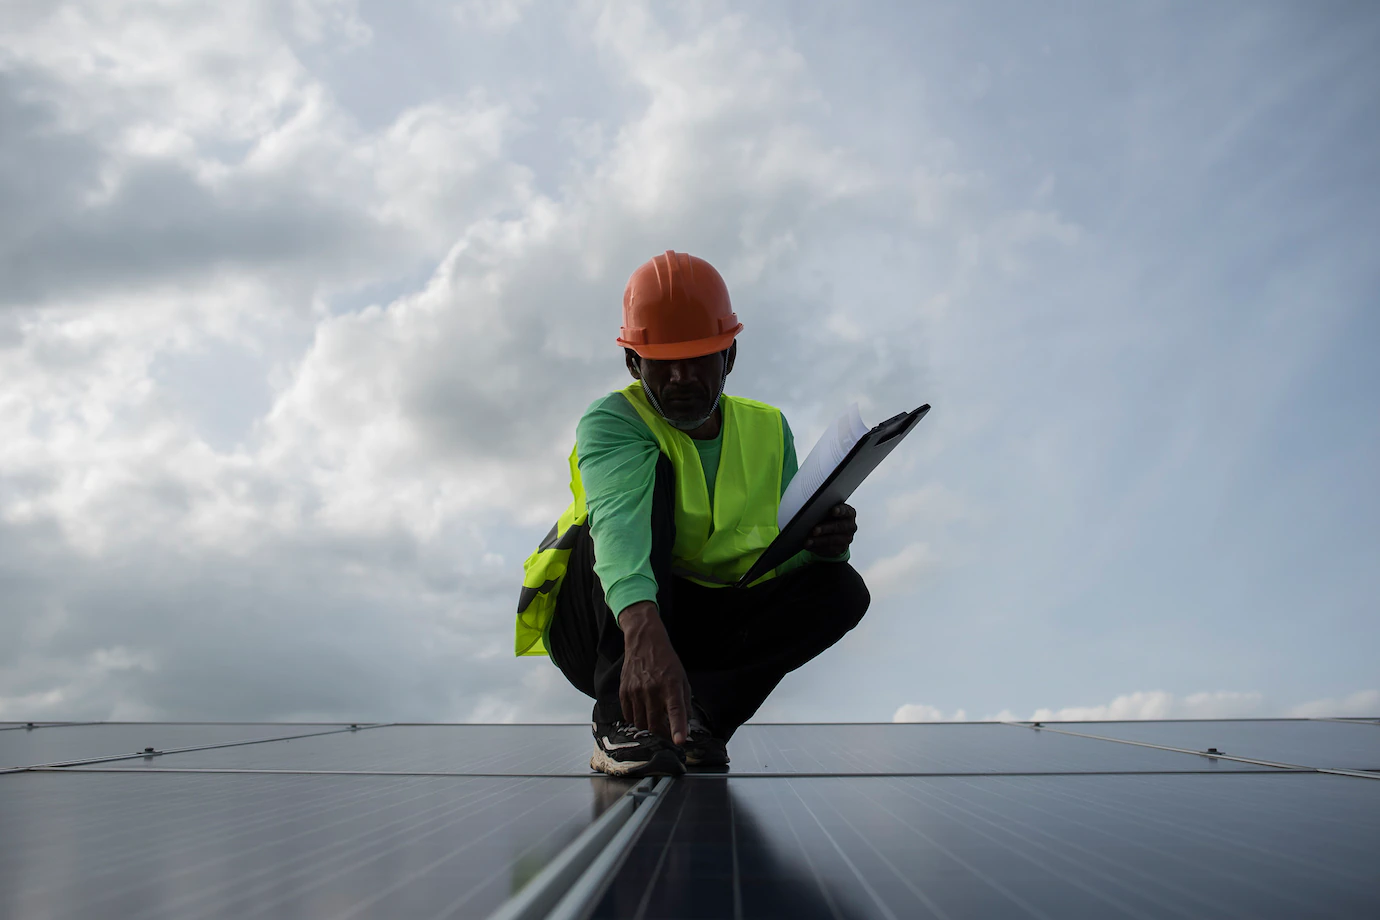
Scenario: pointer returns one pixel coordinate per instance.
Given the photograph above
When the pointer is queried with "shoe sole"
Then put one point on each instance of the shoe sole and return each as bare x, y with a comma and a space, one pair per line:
713, 760
662, 763
715, 754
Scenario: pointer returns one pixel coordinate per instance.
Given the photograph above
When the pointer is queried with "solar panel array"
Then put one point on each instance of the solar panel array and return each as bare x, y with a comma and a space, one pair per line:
1134, 819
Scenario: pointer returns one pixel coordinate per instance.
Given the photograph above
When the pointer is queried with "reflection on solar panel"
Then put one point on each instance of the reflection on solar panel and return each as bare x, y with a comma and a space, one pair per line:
1281, 818
73, 742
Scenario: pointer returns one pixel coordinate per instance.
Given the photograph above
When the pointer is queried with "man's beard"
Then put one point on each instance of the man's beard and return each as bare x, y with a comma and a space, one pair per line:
685, 407
686, 417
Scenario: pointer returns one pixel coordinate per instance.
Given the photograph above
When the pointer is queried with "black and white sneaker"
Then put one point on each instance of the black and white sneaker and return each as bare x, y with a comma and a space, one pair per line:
702, 748
623, 749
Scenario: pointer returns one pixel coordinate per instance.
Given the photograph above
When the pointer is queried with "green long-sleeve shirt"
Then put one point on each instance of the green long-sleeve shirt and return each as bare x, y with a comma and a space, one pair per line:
618, 455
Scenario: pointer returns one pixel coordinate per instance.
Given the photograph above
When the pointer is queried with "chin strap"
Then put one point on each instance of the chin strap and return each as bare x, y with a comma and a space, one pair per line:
687, 426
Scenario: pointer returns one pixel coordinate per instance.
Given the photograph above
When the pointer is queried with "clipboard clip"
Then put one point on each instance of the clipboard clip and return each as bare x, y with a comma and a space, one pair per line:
900, 423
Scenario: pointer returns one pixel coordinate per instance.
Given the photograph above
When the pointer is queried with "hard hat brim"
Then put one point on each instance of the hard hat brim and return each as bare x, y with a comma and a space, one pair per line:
680, 351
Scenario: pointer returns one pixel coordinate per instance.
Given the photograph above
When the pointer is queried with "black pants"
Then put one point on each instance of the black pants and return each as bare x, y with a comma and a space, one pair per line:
735, 643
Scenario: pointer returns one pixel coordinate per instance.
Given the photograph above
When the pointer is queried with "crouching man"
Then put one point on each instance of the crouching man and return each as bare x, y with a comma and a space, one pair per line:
676, 489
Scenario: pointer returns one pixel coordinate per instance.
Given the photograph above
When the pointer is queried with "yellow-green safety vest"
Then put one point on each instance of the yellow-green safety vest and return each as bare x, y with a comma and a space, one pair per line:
713, 547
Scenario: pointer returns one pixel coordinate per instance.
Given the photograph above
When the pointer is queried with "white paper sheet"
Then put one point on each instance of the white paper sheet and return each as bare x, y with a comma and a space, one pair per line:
829, 451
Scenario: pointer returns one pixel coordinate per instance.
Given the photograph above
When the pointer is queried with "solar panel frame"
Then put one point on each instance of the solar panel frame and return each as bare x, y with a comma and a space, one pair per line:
1329, 743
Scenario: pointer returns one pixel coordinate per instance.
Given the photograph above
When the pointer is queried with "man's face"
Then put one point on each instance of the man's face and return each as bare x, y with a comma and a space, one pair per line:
686, 388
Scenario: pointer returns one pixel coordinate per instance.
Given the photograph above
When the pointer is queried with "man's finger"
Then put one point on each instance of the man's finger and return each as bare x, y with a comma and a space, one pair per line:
656, 714
676, 714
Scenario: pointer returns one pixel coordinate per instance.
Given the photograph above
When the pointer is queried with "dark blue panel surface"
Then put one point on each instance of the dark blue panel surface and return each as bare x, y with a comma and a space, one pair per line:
61, 743
157, 846
507, 749
1313, 744
942, 748
1182, 846
784, 749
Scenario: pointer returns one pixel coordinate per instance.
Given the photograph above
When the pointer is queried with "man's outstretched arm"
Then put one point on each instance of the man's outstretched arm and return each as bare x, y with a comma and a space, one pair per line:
654, 692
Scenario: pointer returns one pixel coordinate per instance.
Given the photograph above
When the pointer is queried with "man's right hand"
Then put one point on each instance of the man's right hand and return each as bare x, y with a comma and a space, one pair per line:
655, 692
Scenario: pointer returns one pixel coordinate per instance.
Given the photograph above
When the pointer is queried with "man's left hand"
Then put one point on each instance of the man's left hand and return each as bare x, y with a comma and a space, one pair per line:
834, 534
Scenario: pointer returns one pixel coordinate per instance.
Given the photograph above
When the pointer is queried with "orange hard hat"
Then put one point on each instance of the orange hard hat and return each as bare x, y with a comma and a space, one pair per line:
676, 306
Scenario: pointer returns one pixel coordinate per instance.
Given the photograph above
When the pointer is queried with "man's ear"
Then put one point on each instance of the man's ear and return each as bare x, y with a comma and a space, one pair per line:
732, 356
634, 368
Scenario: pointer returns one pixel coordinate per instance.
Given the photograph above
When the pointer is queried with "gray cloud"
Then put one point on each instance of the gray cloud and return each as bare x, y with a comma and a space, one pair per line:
258, 459
159, 224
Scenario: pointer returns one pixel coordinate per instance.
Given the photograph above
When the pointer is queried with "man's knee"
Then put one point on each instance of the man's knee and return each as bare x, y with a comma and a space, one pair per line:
853, 596
841, 595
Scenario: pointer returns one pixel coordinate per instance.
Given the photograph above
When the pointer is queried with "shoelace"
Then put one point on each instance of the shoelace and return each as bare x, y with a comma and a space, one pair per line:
631, 730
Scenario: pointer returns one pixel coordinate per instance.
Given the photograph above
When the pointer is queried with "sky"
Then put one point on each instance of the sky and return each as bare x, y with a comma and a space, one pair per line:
300, 301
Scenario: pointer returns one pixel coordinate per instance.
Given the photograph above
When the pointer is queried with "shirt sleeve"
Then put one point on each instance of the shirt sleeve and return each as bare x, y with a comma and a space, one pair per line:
790, 465
618, 455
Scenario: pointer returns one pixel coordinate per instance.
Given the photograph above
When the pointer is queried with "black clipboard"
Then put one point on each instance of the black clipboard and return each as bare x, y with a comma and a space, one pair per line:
870, 450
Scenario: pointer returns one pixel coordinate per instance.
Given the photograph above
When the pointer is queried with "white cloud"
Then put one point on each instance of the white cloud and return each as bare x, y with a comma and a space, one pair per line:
1158, 704
294, 331
900, 572
369, 513
317, 20
490, 15
1360, 703
919, 712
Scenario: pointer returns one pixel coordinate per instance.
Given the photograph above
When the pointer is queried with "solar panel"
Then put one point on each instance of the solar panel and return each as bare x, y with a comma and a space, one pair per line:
774, 749
82, 741
1316, 744
944, 748
500, 749
187, 845
1284, 845
839, 821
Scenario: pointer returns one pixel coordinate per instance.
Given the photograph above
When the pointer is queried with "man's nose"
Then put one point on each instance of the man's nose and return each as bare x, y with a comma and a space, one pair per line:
679, 372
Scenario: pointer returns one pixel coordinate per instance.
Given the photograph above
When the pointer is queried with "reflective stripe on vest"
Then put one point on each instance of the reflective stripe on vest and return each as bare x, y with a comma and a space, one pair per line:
712, 548
544, 570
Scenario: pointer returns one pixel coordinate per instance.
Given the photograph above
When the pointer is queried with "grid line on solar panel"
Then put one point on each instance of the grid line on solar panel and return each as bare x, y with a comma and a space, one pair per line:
1260, 861
707, 776
100, 742
496, 749
1030, 843
189, 847
255, 771
1295, 742
825, 750
1103, 840
991, 846
235, 824
943, 749
149, 756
